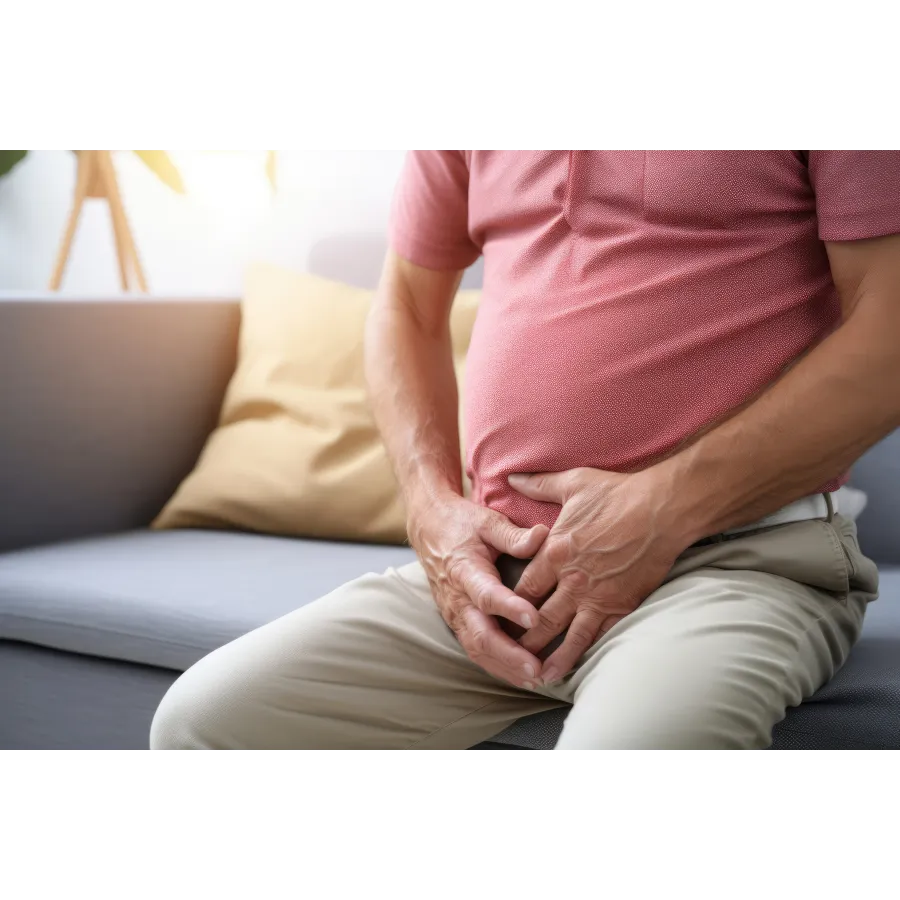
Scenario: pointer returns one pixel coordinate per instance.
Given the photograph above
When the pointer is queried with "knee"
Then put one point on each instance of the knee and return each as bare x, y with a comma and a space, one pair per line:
188, 715
172, 727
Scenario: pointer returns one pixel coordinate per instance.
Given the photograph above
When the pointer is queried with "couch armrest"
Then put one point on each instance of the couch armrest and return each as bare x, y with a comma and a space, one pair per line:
104, 407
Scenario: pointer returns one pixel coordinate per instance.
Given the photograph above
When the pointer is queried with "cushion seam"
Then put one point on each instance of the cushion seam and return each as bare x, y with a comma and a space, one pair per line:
89, 628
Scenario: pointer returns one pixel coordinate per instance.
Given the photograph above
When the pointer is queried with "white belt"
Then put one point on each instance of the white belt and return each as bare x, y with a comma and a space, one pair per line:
812, 507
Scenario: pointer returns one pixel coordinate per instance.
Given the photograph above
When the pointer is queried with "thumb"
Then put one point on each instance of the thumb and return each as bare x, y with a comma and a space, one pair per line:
502, 535
547, 486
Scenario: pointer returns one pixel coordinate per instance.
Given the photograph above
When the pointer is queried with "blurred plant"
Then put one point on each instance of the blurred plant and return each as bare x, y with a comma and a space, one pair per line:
9, 159
160, 164
157, 161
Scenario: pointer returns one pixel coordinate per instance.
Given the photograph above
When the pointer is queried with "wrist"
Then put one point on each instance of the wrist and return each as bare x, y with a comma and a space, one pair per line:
428, 477
426, 499
686, 502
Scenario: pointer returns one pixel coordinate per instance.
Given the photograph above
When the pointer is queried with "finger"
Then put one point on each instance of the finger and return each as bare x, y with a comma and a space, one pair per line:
492, 649
538, 579
581, 635
502, 535
552, 487
554, 617
480, 581
610, 622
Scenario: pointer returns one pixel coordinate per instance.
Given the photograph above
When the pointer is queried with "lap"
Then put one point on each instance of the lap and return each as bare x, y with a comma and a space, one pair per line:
715, 656
711, 659
370, 665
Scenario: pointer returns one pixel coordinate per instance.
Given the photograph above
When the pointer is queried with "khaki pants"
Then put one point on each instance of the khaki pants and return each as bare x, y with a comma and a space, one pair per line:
741, 630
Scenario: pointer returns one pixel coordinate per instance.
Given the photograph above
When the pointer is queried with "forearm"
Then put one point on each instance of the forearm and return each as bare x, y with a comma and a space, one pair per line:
409, 369
808, 428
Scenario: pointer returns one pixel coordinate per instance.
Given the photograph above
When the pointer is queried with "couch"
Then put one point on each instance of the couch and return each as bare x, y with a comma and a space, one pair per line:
104, 407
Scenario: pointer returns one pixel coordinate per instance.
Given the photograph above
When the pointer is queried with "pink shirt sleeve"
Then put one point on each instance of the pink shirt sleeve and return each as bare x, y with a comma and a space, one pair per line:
429, 223
857, 192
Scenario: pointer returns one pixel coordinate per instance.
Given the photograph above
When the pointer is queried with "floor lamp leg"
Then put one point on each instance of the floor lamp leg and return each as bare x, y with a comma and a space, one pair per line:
83, 181
124, 239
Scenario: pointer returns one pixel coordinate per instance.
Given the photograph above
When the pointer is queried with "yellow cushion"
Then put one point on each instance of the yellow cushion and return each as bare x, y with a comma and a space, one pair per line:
296, 451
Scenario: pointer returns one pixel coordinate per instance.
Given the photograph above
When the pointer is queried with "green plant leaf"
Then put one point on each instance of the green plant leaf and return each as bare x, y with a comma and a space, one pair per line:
160, 164
9, 159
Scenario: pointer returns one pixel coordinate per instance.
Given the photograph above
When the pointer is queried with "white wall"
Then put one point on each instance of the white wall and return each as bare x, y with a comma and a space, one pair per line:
329, 216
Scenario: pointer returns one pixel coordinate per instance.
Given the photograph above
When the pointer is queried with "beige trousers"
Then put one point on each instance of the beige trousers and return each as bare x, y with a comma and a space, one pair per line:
741, 630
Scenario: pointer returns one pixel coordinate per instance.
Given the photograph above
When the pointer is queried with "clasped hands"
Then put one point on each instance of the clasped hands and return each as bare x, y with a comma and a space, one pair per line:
611, 546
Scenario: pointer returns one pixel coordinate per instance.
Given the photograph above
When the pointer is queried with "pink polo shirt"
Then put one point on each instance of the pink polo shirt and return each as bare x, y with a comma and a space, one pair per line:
631, 297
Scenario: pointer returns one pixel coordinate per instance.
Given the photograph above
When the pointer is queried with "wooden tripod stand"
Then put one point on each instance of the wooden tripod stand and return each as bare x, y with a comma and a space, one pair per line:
96, 178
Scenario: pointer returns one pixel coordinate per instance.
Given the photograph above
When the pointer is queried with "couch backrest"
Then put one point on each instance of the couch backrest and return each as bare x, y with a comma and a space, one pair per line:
878, 474
104, 407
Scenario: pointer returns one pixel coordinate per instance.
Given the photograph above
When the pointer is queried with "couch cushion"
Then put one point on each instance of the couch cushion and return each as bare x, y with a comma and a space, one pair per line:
858, 708
168, 598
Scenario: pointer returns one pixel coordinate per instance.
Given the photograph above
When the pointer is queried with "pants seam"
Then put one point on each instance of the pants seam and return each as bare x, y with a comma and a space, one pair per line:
841, 558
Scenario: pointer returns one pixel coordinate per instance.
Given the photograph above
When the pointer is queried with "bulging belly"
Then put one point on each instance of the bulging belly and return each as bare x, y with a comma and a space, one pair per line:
551, 391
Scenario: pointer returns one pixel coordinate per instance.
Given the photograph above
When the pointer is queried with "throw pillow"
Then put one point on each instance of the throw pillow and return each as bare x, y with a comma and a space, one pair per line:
296, 450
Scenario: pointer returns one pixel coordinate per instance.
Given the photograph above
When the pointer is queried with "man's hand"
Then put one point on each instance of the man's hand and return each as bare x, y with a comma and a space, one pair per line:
612, 545
458, 543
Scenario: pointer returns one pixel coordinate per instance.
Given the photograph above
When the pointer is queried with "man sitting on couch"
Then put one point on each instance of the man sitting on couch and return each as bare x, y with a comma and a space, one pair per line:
677, 357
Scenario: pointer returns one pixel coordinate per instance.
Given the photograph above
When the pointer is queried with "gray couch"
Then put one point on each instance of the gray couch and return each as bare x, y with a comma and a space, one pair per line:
104, 406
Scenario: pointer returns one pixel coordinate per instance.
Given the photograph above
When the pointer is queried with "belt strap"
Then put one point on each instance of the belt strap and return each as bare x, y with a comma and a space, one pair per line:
815, 506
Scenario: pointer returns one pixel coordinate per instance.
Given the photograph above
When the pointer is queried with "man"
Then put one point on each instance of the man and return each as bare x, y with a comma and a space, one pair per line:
677, 357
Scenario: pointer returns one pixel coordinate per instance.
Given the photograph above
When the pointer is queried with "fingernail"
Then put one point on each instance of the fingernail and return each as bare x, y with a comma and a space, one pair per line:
549, 676
515, 477
529, 686
526, 621
528, 669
